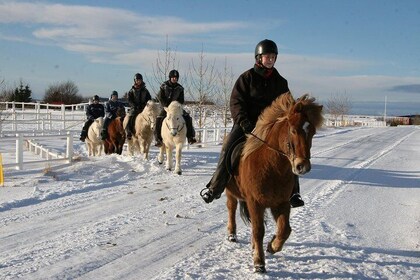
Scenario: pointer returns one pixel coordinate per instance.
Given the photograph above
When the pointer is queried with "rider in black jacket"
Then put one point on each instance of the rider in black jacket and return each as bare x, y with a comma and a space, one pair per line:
93, 111
170, 91
254, 90
137, 99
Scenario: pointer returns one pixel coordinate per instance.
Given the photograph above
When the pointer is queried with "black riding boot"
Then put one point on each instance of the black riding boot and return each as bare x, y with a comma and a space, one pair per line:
158, 131
296, 199
217, 184
190, 129
83, 135
130, 126
104, 132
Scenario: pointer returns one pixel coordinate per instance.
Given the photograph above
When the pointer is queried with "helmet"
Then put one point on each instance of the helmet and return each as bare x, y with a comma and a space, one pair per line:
174, 73
95, 97
138, 76
114, 93
265, 46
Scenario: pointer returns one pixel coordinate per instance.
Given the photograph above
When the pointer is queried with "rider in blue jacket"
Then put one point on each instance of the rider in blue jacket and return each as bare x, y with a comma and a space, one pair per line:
111, 109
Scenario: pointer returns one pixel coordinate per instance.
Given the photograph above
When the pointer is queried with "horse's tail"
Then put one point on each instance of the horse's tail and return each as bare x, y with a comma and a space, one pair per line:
244, 212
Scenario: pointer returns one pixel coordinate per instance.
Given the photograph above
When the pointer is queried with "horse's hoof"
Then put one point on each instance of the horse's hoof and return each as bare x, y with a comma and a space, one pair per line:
160, 162
232, 237
260, 269
179, 173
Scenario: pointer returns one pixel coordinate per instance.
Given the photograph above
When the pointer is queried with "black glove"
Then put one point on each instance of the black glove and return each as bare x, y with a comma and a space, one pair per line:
246, 126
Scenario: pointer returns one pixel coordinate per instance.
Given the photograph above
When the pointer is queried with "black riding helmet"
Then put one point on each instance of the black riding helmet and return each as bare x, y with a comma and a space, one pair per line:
95, 97
114, 93
263, 47
174, 73
138, 76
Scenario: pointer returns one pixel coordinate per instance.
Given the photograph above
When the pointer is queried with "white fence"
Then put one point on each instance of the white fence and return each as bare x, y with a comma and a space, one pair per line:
44, 154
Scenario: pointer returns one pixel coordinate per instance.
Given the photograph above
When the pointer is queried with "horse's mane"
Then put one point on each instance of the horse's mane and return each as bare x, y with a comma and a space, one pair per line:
175, 107
279, 111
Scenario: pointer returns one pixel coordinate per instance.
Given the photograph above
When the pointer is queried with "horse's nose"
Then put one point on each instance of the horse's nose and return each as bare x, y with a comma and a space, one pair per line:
301, 166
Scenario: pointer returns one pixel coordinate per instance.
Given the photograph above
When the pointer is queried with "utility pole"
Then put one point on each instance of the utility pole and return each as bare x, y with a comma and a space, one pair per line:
385, 111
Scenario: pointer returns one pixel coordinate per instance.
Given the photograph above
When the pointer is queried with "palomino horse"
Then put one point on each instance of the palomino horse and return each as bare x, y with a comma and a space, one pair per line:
114, 143
277, 150
144, 127
174, 133
94, 143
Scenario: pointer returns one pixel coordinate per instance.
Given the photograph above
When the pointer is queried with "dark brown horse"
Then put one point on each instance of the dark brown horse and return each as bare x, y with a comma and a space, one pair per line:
114, 143
278, 150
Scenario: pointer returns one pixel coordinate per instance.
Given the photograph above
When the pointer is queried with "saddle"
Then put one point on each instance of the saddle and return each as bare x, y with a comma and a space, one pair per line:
233, 157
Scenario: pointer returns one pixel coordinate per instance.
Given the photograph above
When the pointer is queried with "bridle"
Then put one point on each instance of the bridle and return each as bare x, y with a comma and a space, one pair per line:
291, 155
175, 128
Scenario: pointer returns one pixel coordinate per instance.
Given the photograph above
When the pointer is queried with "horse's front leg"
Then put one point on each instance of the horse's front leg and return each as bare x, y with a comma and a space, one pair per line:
178, 156
101, 147
161, 152
281, 215
130, 147
232, 204
169, 157
146, 150
256, 213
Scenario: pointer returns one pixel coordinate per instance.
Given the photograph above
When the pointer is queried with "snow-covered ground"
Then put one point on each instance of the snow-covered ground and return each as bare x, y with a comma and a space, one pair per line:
118, 217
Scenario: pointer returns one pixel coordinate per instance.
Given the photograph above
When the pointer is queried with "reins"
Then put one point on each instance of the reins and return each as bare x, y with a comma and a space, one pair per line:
278, 150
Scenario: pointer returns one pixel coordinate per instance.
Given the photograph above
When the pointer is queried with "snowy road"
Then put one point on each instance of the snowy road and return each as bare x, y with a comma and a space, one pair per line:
117, 217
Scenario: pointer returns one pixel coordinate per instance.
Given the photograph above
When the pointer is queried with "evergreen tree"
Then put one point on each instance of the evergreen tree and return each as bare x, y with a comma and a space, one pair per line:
22, 93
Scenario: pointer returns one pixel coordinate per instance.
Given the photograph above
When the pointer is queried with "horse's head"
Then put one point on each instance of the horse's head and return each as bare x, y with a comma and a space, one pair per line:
174, 120
303, 118
150, 113
121, 112
97, 127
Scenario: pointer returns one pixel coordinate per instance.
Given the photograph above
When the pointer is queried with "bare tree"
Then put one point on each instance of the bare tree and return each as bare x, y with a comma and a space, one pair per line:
165, 62
338, 106
63, 93
224, 90
202, 77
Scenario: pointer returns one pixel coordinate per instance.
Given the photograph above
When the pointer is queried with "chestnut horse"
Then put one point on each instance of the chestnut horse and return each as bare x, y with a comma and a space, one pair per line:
114, 143
277, 150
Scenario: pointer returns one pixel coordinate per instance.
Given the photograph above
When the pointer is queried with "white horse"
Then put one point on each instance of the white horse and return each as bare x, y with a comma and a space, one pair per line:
144, 127
94, 143
174, 133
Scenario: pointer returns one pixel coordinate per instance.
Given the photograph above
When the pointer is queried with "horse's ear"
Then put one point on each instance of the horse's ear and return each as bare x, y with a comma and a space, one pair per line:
298, 107
166, 109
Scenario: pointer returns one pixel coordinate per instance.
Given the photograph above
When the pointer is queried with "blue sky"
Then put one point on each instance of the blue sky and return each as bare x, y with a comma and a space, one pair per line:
365, 49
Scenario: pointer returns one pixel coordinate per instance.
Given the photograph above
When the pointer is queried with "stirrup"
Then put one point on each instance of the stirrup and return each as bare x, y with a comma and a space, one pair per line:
296, 201
207, 196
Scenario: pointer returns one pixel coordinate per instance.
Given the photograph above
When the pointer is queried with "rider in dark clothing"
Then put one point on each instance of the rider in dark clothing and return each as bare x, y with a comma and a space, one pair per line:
93, 111
137, 99
254, 90
111, 109
170, 91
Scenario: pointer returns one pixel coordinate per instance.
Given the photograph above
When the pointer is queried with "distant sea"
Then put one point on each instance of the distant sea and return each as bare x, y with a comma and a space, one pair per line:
371, 108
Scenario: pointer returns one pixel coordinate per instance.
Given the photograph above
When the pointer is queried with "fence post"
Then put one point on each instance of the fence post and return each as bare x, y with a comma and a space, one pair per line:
1, 172
19, 151
69, 148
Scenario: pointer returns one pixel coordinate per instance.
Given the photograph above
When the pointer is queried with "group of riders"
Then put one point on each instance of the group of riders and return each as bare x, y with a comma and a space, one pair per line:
138, 96
254, 90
